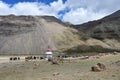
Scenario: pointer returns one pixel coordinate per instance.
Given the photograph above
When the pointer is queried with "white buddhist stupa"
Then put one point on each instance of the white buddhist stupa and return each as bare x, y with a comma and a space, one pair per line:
49, 53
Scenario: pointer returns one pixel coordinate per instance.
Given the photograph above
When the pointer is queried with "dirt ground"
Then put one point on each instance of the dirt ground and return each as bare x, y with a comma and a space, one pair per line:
75, 70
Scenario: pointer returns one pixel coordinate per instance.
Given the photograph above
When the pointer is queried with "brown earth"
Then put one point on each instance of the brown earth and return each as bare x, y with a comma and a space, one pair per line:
75, 70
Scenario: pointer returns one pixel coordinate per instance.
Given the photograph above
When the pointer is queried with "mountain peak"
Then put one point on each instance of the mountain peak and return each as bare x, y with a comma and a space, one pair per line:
107, 27
112, 16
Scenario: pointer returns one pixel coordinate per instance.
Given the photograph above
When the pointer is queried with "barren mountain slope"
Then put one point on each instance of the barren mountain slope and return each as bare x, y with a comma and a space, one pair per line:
33, 34
107, 27
105, 30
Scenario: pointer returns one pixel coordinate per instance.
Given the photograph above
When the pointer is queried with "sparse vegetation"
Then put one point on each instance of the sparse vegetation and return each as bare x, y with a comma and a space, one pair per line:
89, 49
75, 70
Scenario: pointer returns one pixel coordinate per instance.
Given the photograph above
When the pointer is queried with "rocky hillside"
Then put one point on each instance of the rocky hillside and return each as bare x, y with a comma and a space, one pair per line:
107, 27
33, 34
104, 32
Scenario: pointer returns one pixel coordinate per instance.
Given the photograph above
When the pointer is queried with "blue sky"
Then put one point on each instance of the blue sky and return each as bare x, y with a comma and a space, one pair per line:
43, 1
73, 11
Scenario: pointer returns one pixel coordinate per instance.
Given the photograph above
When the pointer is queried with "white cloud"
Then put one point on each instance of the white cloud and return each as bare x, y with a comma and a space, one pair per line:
4, 8
32, 8
81, 15
87, 10
96, 5
57, 6
79, 10
26, 8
